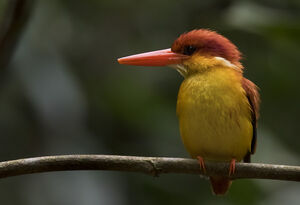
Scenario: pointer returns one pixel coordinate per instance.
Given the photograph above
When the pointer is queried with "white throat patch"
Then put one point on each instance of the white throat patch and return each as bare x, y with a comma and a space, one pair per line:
226, 63
181, 69
218, 61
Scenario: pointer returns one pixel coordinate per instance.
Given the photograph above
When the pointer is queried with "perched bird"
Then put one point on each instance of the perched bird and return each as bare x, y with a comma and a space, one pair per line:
217, 107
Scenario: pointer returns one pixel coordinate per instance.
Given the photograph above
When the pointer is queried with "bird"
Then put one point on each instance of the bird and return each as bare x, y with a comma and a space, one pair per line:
217, 107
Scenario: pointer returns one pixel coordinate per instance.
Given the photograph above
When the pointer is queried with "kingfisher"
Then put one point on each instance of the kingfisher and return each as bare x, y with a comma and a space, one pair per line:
217, 107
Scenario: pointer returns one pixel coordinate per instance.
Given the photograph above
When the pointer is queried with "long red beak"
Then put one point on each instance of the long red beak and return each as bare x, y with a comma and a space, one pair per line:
155, 58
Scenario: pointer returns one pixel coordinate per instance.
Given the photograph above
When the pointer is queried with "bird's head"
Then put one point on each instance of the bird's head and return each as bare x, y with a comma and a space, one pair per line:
193, 52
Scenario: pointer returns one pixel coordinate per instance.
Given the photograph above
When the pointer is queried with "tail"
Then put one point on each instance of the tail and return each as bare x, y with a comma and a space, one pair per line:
220, 185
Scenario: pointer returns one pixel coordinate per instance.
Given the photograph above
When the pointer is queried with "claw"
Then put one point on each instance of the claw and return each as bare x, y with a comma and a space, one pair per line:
232, 167
201, 163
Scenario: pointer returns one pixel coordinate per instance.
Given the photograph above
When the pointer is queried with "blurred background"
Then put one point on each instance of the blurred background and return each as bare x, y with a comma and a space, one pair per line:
63, 92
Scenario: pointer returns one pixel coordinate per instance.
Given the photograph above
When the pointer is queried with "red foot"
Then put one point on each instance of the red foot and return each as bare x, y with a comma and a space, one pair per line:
232, 167
201, 163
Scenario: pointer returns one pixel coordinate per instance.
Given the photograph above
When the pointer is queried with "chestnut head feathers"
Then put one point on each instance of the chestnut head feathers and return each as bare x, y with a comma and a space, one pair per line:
207, 43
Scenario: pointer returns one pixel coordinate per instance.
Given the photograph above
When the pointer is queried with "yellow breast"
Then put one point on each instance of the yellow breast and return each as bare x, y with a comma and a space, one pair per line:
214, 115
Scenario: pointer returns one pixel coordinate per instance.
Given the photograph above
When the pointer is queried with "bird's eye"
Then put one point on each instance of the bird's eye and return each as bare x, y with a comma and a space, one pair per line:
189, 50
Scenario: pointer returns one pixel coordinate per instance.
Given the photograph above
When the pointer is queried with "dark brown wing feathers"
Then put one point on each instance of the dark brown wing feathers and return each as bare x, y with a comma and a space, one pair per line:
254, 100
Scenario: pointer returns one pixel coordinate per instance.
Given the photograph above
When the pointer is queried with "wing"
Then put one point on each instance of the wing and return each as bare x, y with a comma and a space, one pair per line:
254, 100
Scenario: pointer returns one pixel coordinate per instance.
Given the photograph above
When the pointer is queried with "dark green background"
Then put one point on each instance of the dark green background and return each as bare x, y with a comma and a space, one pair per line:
65, 93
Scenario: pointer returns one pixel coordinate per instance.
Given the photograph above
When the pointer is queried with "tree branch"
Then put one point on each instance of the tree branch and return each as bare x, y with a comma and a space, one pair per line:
15, 16
154, 166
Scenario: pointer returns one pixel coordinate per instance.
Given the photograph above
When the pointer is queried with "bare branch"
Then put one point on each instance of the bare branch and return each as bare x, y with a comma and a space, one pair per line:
16, 14
148, 165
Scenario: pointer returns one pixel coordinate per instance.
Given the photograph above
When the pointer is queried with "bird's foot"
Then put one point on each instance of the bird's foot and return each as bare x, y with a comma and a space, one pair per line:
201, 163
232, 167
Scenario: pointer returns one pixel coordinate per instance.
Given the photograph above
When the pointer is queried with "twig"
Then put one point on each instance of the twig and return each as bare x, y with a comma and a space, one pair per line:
148, 165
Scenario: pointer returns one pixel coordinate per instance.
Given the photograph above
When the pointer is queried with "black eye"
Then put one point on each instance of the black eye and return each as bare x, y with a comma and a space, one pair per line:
189, 50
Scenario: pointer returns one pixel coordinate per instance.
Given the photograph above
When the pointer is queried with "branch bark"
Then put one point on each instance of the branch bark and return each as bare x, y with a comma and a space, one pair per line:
154, 166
